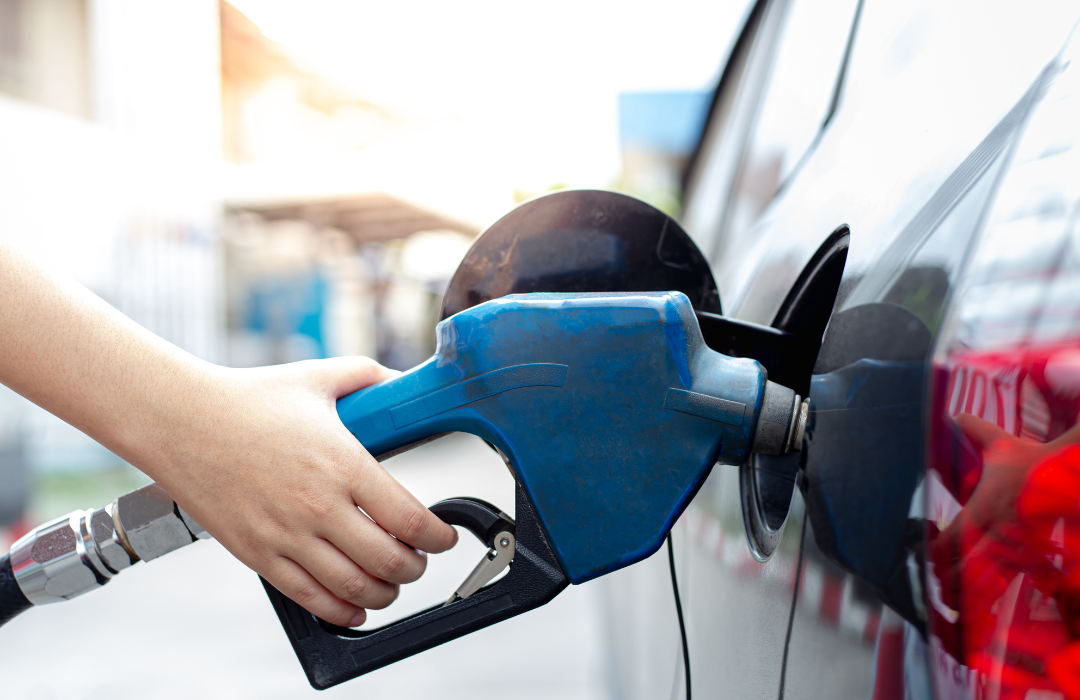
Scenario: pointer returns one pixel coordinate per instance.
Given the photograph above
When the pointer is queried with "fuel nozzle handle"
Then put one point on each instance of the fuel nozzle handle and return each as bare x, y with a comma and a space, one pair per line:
610, 409
83, 550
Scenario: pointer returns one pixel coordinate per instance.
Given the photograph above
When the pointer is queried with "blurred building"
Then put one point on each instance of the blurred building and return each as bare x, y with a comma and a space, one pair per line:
332, 270
110, 121
275, 106
657, 133
351, 275
119, 122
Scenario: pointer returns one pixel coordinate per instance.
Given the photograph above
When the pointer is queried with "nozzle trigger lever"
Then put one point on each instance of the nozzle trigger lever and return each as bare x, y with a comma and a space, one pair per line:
492, 527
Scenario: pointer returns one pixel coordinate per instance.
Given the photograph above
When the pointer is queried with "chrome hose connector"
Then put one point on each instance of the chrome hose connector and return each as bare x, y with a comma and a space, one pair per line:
81, 551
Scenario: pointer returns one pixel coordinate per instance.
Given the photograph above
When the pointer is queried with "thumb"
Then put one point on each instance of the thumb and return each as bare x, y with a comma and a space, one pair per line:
340, 376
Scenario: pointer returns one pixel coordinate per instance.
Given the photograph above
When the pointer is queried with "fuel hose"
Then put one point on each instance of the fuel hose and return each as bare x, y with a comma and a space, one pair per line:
12, 599
85, 549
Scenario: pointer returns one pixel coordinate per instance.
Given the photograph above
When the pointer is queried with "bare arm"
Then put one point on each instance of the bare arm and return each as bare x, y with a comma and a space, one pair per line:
258, 456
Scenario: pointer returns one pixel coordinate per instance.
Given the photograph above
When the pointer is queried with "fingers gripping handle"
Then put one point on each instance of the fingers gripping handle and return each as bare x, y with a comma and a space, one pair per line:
492, 527
369, 414
332, 655
478, 517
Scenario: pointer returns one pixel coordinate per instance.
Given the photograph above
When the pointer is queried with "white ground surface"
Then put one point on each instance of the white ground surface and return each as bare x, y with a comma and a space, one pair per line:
196, 624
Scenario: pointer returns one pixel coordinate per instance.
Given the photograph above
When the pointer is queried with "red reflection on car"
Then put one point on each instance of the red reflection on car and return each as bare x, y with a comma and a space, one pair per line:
1003, 511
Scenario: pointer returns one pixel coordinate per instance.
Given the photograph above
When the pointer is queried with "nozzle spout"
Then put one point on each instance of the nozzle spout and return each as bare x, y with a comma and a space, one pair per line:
782, 421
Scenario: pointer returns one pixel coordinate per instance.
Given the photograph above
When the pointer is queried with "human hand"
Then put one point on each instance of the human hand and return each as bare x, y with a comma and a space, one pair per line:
260, 459
1012, 535
986, 538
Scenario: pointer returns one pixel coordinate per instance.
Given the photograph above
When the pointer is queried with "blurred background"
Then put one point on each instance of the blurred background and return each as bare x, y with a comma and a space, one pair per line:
265, 181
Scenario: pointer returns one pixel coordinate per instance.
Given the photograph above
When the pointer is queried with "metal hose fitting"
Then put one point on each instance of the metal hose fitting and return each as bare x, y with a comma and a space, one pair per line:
81, 551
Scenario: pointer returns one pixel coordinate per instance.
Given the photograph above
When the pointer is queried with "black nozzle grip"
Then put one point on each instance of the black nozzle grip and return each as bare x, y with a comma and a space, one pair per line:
332, 654
478, 517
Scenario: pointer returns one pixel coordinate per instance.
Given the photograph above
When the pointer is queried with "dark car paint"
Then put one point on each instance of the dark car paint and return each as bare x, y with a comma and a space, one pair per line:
910, 167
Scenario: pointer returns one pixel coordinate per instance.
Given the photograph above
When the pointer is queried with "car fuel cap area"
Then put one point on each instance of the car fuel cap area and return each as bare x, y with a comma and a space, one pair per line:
574, 241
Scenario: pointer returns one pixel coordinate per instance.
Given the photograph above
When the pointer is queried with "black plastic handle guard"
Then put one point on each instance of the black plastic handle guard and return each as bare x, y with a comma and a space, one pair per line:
482, 519
332, 655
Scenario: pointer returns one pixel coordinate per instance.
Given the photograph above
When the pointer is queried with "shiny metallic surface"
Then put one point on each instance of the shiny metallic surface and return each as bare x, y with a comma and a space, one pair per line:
500, 556
109, 542
802, 414
193, 527
109, 546
151, 522
50, 562
81, 551
87, 547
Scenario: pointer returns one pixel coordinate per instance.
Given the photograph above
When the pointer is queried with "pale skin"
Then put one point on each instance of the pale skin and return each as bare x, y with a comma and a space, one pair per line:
258, 457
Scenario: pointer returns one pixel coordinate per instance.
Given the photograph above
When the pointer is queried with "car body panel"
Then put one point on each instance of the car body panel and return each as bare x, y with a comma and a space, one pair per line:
929, 108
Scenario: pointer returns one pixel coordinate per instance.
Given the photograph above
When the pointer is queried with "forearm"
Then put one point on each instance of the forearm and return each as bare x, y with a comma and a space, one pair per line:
75, 356
258, 457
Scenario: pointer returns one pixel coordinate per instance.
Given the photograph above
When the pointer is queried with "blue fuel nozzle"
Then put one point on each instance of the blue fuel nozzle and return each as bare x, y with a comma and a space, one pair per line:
611, 411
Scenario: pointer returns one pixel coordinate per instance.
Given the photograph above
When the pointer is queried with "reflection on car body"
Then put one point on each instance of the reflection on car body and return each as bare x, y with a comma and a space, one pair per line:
923, 544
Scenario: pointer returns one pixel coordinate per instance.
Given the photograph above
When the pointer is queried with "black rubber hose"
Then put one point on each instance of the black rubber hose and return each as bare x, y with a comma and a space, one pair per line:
12, 600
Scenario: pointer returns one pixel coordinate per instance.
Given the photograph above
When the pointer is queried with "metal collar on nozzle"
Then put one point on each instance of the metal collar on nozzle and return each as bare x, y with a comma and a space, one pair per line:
782, 422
